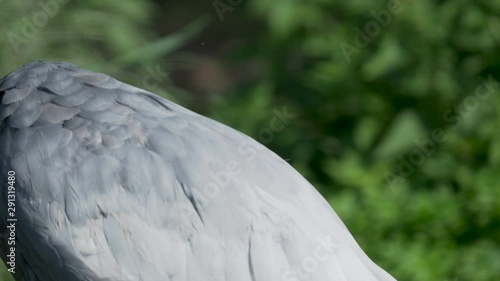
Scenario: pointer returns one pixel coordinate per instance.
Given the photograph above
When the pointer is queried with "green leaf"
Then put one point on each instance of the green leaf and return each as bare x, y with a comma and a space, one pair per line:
401, 135
163, 46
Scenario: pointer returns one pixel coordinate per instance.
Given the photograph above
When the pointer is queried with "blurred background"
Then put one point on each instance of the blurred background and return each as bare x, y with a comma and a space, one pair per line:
393, 105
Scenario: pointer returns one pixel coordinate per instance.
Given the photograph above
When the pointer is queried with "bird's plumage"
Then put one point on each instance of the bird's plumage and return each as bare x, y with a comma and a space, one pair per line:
115, 183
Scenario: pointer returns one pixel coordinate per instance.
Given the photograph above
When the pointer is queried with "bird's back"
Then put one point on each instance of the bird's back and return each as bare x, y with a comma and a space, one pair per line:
115, 183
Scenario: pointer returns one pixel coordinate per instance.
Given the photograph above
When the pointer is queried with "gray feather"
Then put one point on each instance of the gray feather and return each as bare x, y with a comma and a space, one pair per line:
16, 94
56, 114
79, 98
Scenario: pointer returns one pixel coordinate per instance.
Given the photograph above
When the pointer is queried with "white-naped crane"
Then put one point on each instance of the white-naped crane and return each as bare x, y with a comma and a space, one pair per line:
113, 183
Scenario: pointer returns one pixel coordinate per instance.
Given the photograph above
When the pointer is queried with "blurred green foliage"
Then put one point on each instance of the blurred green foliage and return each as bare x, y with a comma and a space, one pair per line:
395, 124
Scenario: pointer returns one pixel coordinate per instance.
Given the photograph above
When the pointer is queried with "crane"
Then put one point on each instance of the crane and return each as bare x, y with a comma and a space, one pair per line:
103, 181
